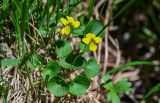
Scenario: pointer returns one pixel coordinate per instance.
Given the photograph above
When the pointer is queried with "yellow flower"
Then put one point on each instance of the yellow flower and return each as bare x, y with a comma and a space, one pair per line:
64, 31
64, 21
67, 23
92, 41
76, 24
70, 21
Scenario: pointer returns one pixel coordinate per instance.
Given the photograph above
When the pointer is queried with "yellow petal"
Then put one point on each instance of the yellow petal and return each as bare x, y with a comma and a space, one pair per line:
86, 40
70, 19
97, 40
90, 35
64, 21
67, 30
62, 31
92, 46
76, 24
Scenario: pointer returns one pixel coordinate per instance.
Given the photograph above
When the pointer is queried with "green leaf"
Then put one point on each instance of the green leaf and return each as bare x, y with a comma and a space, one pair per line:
72, 61
76, 60
91, 68
106, 77
35, 61
57, 86
113, 97
119, 87
156, 88
52, 70
95, 27
130, 64
109, 86
83, 47
63, 48
122, 86
10, 62
5, 4
64, 64
78, 31
79, 86
42, 31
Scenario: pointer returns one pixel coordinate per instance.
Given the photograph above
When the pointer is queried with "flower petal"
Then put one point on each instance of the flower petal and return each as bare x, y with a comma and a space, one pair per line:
97, 39
64, 21
65, 30
90, 35
62, 31
70, 19
76, 24
86, 40
92, 46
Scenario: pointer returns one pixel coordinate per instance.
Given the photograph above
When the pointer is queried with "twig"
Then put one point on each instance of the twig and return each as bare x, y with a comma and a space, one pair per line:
106, 36
96, 11
118, 52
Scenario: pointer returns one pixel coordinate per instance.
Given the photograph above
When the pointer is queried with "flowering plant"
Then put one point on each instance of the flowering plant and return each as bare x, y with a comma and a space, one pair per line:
61, 83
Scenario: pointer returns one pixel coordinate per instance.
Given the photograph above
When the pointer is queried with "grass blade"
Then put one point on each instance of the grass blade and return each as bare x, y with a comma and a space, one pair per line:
46, 13
130, 64
57, 10
90, 8
151, 91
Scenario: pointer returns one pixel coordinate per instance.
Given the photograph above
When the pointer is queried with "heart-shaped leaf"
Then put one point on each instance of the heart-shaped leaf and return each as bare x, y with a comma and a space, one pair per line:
57, 86
52, 70
63, 48
94, 27
79, 86
92, 68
